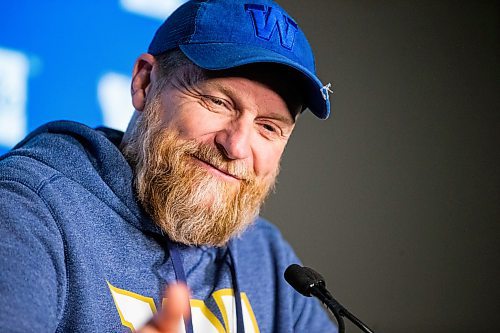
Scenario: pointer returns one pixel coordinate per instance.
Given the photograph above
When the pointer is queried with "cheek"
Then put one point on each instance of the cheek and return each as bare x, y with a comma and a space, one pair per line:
202, 129
192, 128
190, 123
266, 161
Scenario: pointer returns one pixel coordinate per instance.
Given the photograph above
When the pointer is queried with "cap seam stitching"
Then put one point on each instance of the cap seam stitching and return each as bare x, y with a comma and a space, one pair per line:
234, 43
202, 8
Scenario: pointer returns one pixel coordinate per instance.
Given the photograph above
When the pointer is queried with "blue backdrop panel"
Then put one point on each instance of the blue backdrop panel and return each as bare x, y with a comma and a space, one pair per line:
70, 60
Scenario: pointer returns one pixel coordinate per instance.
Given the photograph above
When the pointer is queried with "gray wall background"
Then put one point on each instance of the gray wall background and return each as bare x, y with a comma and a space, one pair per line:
395, 198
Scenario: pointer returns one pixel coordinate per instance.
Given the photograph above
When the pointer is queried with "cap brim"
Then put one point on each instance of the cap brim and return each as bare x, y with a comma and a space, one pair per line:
217, 56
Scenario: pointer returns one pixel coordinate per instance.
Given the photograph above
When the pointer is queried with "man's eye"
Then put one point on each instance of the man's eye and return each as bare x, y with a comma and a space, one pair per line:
215, 101
269, 128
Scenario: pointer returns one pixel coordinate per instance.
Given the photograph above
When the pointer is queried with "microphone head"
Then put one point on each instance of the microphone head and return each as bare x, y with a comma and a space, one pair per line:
315, 275
303, 279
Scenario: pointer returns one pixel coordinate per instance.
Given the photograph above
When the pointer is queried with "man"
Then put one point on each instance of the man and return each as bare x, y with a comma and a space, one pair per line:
96, 223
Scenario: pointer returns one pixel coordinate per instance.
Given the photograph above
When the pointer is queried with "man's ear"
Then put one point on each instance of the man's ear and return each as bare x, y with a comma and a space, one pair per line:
142, 78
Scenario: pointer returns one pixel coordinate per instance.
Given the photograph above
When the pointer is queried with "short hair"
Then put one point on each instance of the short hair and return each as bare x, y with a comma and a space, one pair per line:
174, 66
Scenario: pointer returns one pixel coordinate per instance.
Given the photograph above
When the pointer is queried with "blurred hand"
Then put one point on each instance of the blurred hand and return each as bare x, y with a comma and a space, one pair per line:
169, 318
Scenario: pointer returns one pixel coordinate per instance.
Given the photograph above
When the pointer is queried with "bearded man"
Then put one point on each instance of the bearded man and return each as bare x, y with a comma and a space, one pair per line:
97, 222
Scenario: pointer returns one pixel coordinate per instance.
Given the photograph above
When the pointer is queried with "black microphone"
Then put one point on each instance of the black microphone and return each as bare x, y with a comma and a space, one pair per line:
309, 283
303, 279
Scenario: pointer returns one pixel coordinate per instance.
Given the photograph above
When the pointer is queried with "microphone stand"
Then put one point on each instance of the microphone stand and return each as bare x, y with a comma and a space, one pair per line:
337, 309
309, 283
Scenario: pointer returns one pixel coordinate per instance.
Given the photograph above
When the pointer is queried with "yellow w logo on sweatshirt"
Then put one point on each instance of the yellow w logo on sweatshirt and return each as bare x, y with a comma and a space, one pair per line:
136, 310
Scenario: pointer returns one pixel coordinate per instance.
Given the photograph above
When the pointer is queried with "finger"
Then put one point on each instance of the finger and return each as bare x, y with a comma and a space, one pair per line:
148, 329
176, 306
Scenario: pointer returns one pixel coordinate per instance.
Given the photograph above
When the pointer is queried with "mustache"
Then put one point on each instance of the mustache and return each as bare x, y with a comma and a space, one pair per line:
212, 156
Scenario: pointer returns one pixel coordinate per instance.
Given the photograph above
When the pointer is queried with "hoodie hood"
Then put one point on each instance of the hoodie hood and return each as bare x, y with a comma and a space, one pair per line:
91, 158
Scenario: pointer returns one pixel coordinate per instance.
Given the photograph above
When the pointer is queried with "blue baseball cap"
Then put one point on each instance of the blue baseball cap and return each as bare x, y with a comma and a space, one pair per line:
223, 34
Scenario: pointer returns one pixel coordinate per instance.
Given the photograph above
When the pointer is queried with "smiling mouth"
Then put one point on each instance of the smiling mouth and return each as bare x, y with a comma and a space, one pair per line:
215, 169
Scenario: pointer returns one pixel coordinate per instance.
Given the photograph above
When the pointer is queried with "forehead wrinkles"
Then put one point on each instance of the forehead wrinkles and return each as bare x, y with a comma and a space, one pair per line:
238, 90
286, 83
243, 92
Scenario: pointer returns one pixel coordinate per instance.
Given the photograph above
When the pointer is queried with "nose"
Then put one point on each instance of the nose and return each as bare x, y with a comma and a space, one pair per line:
234, 139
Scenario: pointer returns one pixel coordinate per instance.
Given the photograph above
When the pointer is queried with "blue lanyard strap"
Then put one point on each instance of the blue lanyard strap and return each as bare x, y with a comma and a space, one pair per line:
180, 276
240, 326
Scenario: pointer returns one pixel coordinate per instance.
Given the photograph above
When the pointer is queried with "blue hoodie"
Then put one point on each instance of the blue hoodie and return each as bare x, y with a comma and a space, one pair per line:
79, 254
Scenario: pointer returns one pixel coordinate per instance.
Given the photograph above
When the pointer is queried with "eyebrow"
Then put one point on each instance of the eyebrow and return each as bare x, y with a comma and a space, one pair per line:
231, 92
